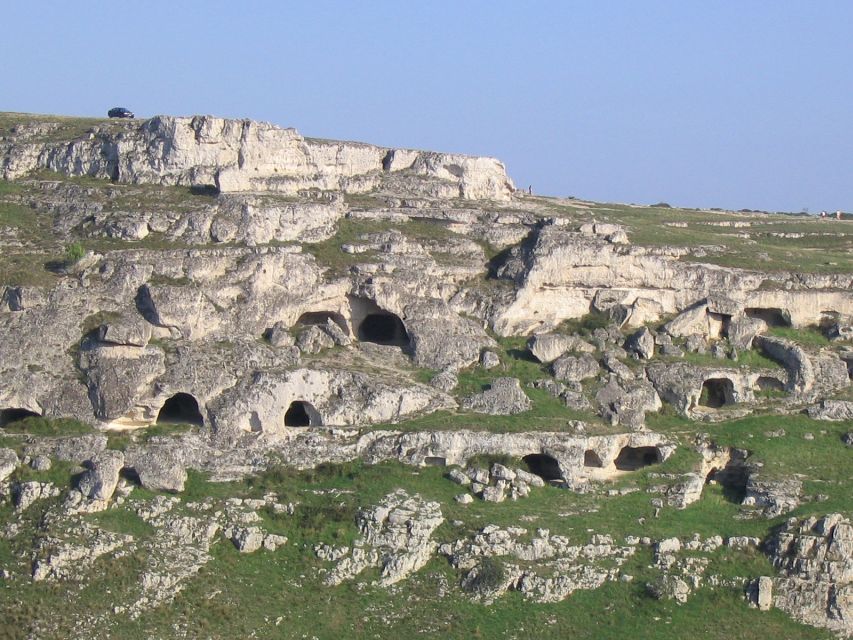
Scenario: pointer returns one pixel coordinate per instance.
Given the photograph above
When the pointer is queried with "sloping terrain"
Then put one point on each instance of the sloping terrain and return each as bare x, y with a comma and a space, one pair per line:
262, 385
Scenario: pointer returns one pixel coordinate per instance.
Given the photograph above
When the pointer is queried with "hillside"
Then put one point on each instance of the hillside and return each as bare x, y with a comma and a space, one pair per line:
263, 385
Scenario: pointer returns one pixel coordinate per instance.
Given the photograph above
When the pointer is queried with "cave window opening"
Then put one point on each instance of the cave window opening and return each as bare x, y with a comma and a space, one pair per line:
716, 393
591, 459
543, 466
301, 414
634, 458
181, 408
14, 414
383, 328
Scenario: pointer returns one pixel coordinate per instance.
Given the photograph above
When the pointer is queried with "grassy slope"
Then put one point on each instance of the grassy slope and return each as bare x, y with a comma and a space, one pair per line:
279, 595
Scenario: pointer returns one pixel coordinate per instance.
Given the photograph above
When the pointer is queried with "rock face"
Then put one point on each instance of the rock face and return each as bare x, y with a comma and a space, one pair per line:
246, 156
815, 561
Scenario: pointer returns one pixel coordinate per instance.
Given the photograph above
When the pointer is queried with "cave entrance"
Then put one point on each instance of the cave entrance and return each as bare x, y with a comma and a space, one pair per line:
543, 466
301, 414
383, 328
435, 461
732, 478
321, 318
14, 414
591, 459
181, 408
716, 393
634, 458
770, 317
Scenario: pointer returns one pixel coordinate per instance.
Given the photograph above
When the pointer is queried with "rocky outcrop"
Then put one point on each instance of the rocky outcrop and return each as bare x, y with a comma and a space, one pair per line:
835, 410
396, 538
99, 480
247, 156
503, 397
815, 560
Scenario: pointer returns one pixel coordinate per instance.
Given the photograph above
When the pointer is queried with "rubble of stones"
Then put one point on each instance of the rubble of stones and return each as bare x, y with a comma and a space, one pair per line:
223, 311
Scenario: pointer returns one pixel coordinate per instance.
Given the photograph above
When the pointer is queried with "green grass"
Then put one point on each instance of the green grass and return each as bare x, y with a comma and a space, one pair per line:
38, 426
805, 336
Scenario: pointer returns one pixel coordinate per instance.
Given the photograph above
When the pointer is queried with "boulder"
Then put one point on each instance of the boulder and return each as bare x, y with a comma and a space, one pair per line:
504, 397
99, 481
8, 463
642, 343
547, 347
575, 369
834, 410
160, 469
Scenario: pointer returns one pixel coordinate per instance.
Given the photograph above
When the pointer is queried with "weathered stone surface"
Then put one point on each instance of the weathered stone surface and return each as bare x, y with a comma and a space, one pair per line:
8, 463
575, 369
504, 397
159, 469
547, 347
832, 410
642, 343
773, 497
99, 481
815, 562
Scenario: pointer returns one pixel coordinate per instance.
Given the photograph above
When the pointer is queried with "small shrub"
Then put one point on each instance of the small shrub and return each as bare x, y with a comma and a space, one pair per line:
486, 577
73, 253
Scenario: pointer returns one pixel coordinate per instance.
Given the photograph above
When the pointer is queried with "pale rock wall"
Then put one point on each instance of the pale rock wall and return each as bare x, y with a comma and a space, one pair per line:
242, 155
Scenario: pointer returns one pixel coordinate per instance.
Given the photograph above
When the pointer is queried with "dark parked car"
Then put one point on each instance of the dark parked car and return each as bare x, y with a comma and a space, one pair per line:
120, 112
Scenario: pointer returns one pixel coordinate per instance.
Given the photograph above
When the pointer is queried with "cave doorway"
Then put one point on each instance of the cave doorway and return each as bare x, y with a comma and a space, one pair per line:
732, 478
181, 408
544, 466
716, 393
634, 458
301, 414
15, 414
770, 317
383, 328
321, 318
591, 459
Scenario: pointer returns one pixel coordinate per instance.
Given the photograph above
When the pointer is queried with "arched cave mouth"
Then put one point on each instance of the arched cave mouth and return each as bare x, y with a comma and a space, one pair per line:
321, 318
592, 459
634, 458
543, 466
383, 328
181, 408
716, 393
732, 478
15, 414
301, 414
770, 317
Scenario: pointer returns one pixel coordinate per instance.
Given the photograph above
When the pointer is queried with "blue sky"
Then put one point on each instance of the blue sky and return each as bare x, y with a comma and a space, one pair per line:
737, 104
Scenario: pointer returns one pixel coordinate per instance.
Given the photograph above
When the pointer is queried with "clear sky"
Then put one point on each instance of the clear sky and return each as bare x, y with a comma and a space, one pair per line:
735, 104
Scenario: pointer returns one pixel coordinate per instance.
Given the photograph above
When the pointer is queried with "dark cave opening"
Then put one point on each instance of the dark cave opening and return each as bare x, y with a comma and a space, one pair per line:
301, 414
591, 459
543, 466
634, 458
716, 393
181, 408
14, 414
383, 328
